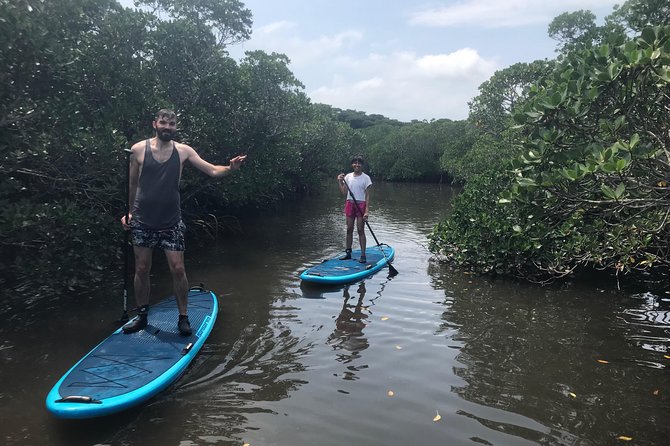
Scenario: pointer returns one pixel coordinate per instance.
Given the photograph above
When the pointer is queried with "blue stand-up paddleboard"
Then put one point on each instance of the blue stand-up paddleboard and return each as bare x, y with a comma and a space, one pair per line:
126, 369
336, 271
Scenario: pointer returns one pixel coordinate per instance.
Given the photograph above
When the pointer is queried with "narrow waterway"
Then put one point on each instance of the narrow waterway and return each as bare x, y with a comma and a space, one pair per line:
432, 356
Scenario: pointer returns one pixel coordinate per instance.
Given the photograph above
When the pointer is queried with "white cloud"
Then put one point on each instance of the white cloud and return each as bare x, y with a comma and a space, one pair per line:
463, 63
399, 84
406, 86
275, 27
501, 13
278, 37
368, 84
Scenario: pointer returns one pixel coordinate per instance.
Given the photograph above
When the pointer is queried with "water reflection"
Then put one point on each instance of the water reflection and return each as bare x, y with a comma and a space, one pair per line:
646, 326
347, 338
558, 357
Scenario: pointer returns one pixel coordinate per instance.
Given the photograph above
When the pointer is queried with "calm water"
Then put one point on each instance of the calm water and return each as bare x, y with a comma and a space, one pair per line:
373, 363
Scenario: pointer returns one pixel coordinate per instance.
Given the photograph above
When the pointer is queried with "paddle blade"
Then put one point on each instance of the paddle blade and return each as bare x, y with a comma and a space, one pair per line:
392, 271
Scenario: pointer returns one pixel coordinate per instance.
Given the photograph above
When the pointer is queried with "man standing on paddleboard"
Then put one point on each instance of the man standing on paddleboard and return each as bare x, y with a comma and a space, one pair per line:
356, 186
155, 220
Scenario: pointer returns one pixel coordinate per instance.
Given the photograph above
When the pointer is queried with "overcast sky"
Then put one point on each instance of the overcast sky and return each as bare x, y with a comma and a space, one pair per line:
405, 59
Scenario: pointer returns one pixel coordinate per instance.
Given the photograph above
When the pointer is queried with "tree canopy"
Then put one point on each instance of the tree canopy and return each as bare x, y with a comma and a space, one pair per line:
583, 179
82, 81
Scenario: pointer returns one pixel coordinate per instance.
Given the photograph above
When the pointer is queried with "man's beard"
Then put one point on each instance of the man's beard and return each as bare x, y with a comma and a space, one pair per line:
165, 135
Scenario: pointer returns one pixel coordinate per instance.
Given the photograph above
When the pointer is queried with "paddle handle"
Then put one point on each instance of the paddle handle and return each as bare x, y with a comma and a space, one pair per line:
124, 316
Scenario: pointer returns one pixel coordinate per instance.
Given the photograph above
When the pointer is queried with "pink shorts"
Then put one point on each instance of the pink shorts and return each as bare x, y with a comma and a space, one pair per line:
350, 209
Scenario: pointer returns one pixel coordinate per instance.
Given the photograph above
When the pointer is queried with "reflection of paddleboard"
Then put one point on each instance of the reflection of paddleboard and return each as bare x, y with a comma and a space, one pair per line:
127, 369
335, 271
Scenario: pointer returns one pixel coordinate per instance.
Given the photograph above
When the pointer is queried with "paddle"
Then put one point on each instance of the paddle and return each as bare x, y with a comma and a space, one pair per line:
124, 316
392, 270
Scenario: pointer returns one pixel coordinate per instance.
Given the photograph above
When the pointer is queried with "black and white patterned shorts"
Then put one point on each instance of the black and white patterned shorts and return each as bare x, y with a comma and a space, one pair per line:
171, 239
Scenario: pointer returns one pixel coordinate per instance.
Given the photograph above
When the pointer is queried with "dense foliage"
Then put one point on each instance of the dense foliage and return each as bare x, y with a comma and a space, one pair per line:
408, 153
565, 163
401, 151
81, 80
583, 182
597, 163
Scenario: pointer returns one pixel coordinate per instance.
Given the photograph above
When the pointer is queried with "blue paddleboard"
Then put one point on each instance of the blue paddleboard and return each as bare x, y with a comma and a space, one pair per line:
126, 369
336, 271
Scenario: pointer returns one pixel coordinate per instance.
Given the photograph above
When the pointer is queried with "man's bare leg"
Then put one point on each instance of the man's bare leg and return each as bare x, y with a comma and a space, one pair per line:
175, 261
143, 259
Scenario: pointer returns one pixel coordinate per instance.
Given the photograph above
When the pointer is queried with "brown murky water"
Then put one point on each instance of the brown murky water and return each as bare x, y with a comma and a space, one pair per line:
431, 356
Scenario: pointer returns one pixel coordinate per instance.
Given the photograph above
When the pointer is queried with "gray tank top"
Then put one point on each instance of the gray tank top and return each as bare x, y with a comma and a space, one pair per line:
157, 203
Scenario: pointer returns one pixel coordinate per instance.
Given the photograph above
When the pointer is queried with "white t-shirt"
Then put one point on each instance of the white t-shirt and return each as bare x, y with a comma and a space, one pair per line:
357, 185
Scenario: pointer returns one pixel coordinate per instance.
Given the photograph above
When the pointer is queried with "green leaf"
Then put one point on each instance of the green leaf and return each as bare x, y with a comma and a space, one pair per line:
548, 105
526, 182
520, 118
634, 141
663, 73
613, 71
604, 50
633, 56
608, 192
621, 165
569, 174
619, 122
606, 155
621, 188
534, 114
649, 36
602, 76
557, 98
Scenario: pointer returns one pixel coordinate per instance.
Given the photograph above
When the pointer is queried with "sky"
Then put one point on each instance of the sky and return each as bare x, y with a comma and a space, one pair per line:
406, 59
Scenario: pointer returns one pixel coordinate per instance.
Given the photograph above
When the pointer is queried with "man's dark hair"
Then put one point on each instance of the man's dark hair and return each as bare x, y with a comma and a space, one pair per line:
358, 158
166, 113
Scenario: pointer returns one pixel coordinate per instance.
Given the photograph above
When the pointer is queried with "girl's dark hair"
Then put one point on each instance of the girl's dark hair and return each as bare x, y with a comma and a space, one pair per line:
358, 158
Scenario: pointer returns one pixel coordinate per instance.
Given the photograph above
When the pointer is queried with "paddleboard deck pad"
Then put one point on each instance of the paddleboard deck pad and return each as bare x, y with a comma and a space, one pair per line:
126, 369
336, 271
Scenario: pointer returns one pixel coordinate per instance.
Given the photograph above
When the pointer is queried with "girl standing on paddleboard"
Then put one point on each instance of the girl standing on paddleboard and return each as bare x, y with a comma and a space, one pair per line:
356, 186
